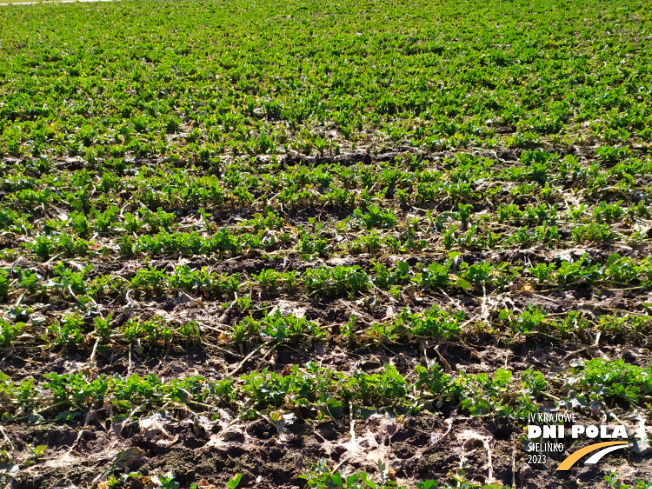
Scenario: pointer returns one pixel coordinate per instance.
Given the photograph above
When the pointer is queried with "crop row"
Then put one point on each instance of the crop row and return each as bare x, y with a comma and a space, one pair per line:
449, 230
339, 281
72, 332
321, 476
409, 179
149, 227
324, 393
308, 245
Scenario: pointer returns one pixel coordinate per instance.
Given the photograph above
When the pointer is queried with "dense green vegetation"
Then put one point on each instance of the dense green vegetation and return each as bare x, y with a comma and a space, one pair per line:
191, 81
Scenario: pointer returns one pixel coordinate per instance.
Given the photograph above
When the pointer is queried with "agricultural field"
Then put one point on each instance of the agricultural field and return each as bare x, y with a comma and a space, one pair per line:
323, 244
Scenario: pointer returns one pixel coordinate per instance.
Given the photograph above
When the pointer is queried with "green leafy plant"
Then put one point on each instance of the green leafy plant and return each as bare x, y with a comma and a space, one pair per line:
602, 379
9, 331
68, 332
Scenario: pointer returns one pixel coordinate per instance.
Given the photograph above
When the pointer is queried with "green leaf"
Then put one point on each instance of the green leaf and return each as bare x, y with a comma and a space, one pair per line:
463, 283
234, 481
353, 478
39, 450
503, 376
334, 407
427, 485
